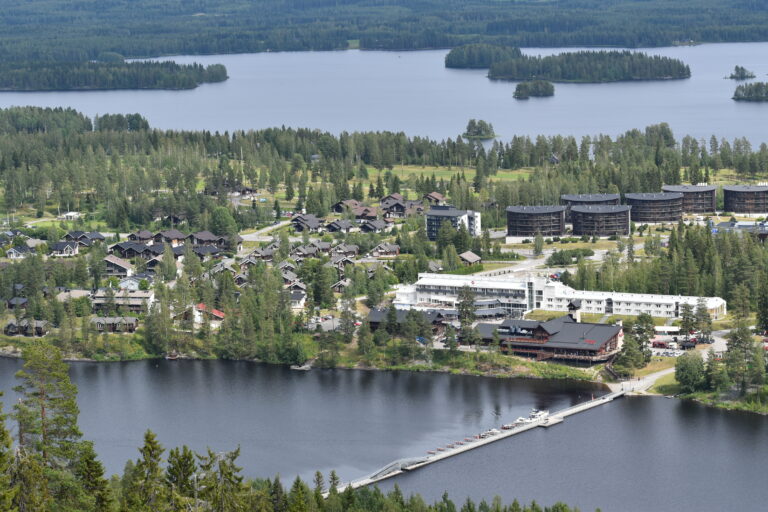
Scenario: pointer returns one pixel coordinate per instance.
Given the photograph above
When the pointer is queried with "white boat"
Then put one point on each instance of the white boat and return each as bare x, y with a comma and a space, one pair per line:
537, 415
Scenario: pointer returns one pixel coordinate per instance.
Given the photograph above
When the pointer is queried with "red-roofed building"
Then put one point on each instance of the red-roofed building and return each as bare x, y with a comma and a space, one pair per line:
203, 313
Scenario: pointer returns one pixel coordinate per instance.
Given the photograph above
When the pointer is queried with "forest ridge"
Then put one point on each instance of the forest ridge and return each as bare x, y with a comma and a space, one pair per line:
45, 30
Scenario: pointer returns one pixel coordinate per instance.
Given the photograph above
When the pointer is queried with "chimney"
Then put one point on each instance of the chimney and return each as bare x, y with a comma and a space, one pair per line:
574, 310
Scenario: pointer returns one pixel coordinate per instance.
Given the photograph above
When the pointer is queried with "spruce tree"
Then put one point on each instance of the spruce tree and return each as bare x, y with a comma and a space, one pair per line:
8, 492
221, 483
180, 471
90, 473
145, 490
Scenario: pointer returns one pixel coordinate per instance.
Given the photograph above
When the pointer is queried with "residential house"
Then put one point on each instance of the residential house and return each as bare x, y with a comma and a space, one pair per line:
18, 303
438, 215
350, 250
385, 250
133, 301
470, 258
263, 254
116, 324
298, 299
342, 285
307, 222
65, 249
26, 327
363, 213
67, 295
435, 198
85, 239
172, 237
206, 252
287, 265
142, 236
203, 313
342, 226
207, 238
241, 279
375, 226
134, 282
346, 205
117, 267
323, 247
19, 253
339, 262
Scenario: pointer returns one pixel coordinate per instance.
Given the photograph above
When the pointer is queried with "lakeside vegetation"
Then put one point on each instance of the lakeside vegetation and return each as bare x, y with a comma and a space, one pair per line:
535, 88
741, 73
590, 67
756, 91
68, 76
479, 55
48, 466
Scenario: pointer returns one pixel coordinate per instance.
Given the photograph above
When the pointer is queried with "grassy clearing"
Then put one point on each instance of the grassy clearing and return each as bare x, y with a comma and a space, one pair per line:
666, 385
656, 365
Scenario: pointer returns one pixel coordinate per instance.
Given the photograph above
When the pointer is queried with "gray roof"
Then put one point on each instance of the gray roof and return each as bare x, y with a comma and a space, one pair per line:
379, 315
589, 198
601, 208
535, 209
563, 332
746, 188
654, 196
445, 211
688, 188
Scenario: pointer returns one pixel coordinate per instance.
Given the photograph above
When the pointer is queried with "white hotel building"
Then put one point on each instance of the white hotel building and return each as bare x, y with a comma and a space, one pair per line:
519, 295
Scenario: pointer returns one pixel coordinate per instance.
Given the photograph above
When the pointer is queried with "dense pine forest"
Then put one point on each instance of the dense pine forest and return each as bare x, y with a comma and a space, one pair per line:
479, 56
47, 45
43, 30
48, 466
756, 91
101, 75
600, 66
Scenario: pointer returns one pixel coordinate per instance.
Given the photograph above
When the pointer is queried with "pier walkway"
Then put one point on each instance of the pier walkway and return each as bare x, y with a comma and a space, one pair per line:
410, 464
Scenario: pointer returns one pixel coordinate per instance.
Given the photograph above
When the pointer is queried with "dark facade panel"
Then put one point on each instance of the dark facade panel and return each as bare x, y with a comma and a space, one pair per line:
746, 199
696, 198
530, 220
656, 207
601, 220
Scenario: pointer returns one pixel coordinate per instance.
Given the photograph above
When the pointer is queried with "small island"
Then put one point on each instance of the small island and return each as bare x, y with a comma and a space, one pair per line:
756, 91
590, 67
740, 73
109, 74
479, 56
479, 130
535, 88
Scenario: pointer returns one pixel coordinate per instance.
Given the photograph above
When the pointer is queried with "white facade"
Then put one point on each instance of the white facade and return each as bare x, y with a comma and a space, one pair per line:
519, 295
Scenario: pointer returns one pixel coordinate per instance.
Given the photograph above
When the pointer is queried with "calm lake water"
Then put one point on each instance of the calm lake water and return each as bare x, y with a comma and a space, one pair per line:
293, 422
414, 93
635, 454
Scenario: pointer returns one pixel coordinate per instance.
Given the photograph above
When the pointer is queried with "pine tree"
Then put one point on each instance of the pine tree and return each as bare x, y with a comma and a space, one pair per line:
47, 409
740, 355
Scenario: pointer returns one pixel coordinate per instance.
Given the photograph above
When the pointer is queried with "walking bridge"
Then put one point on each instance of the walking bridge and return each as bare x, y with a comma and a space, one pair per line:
412, 463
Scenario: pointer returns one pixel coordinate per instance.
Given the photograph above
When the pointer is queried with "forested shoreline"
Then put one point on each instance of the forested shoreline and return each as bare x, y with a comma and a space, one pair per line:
68, 76
755, 91
590, 67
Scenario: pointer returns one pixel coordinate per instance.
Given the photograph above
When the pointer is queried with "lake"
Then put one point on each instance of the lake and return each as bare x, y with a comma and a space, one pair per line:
635, 454
414, 93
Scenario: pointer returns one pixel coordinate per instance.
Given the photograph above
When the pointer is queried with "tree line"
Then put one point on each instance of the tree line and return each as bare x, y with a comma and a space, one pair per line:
127, 175
756, 91
590, 66
48, 466
54, 76
46, 31
479, 55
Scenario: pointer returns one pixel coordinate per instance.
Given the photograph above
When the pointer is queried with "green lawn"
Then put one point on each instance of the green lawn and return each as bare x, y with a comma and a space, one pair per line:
666, 385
